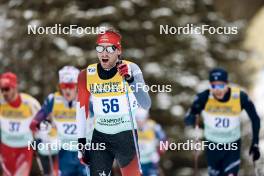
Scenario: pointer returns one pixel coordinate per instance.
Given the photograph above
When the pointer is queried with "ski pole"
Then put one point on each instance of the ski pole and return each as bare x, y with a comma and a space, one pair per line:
255, 169
87, 170
41, 169
132, 125
50, 162
48, 129
39, 163
196, 153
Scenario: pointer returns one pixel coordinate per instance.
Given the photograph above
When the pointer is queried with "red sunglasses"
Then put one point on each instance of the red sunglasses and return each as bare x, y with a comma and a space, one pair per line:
67, 85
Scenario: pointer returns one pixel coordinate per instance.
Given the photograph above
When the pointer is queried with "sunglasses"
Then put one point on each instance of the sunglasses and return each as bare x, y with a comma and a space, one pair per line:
218, 86
67, 86
5, 89
109, 49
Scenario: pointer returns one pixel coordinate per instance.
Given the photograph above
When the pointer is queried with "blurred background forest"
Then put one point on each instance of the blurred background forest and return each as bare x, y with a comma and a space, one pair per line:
182, 61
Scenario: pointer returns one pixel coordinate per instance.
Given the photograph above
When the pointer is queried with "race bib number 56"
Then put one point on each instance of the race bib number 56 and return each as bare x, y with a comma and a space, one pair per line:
110, 105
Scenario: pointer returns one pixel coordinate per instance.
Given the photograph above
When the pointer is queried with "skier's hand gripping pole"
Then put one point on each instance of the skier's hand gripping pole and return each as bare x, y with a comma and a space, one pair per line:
123, 69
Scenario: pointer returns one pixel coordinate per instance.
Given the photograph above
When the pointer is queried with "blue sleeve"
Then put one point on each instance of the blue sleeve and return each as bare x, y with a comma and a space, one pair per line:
249, 107
196, 108
46, 108
160, 134
48, 104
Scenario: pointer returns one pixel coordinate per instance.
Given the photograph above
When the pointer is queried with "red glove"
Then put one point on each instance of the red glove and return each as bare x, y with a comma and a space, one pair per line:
123, 70
34, 125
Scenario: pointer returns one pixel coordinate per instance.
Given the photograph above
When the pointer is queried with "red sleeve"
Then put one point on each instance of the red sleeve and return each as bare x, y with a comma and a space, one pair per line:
83, 94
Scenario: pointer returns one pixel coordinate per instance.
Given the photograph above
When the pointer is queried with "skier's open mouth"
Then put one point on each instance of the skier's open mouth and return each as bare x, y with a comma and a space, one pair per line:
105, 60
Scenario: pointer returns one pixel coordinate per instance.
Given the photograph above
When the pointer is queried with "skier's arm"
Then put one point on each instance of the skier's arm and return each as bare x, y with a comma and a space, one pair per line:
196, 108
82, 112
248, 105
43, 113
82, 108
35, 106
46, 108
161, 137
137, 84
159, 133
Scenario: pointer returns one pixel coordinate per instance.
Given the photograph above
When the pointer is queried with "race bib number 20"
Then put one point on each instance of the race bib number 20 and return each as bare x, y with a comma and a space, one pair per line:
222, 122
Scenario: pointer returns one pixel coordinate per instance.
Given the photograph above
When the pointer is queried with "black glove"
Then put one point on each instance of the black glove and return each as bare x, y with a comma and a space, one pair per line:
83, 154
190, 120
254, 150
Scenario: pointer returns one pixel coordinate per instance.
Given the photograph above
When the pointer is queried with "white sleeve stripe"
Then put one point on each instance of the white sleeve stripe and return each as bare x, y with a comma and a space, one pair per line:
81, 121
